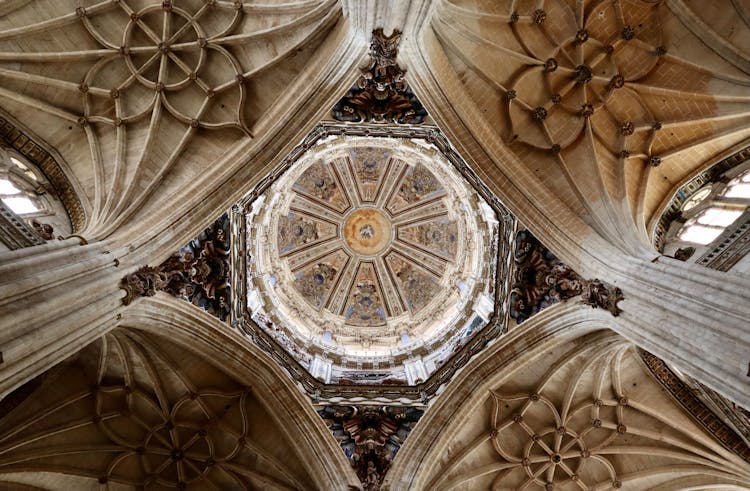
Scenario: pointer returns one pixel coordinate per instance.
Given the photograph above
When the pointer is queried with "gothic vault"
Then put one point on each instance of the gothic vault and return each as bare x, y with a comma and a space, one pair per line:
373, 244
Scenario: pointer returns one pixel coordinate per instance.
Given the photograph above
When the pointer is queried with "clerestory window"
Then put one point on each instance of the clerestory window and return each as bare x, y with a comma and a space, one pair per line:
714, 208
25, 191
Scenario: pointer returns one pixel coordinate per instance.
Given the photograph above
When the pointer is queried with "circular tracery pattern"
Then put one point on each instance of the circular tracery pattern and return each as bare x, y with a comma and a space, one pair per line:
576, 70
160, 50
180, 447
379, 236
369, 239
160, 44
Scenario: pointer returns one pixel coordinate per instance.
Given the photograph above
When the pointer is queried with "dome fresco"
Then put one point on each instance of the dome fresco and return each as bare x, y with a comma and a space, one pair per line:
370, 252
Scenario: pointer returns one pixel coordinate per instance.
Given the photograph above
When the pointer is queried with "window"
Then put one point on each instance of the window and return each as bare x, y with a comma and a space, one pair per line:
25, 191
19, 188
739, 187
707, 218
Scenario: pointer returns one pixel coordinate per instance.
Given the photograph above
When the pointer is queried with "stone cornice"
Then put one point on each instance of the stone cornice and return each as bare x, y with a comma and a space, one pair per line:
684, 395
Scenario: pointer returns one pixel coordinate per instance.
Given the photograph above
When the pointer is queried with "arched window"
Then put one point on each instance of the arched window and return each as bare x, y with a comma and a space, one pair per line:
711, 216
28, 195
19, 187
714, 208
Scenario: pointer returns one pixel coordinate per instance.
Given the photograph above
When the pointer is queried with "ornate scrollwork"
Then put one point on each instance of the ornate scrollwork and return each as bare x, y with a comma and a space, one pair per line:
370, 436
540, 280
381, 95
199, 273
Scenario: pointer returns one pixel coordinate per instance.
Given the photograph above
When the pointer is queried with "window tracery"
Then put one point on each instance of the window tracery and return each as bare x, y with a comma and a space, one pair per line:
719, 206
25, 192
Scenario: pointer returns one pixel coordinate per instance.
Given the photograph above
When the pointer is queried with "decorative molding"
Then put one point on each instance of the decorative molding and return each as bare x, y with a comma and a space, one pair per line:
735, 416
14, 232
673, 209
381, 95
734, 244
370, 436
541, 280
22, 143
684, 394
198, 273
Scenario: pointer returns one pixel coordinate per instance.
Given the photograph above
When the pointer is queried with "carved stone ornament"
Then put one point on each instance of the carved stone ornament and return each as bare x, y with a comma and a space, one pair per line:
684, 253
381, 94
541, 280
370, 436
198, 273
43, 230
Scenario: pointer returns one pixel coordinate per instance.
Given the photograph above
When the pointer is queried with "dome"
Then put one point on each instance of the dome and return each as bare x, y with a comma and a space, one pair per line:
369, 259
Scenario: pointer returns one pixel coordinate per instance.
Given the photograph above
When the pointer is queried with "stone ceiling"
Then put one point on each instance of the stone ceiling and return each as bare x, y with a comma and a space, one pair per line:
612, 104
138, 412
151, 169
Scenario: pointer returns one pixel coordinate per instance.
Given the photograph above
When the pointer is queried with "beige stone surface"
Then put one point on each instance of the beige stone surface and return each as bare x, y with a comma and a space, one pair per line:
163, 114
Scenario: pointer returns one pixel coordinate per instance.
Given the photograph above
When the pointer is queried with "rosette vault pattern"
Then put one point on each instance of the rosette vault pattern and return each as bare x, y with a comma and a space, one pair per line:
145, 80
610, 102
138, 413
585, 422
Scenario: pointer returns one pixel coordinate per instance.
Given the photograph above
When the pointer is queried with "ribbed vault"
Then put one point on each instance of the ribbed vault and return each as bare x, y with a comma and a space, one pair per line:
612, 104
135, 86
137, 409
582, 117
580, 414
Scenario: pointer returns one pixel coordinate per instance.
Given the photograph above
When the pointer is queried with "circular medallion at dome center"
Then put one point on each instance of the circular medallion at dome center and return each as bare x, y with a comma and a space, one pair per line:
367, 232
